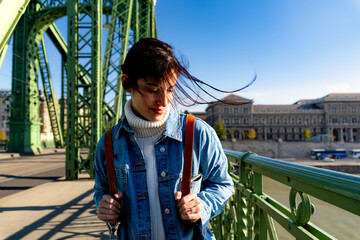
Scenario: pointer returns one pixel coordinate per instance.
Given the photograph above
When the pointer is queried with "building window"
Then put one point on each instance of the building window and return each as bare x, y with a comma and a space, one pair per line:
307, 120
245, 110
226, 110
292, 120
236, 134
334, 120
354, 120
344, 120
299, 120
285, 120
333, 109
236, 121
314, 130
314, 120
321, 120
226, 120
278, 121
255, 121
236, 110
270, 121
263, 120
246, 121
353, 109
292, 130
343, 109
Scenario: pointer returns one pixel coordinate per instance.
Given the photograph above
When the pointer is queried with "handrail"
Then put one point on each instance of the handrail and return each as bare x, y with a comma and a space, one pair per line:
250, 212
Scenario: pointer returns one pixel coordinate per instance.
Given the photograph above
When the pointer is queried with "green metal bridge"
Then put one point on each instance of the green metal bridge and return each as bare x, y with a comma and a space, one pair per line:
92, 100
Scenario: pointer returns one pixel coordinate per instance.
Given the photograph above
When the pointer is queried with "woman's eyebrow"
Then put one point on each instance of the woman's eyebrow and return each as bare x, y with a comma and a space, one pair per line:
156, 85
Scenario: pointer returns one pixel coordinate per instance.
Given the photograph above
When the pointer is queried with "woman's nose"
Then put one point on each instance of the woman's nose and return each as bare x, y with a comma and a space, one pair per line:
162, 99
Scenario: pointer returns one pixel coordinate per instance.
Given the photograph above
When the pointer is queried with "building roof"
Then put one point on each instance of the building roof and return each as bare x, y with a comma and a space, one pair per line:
302, 104
235, 98
231, 99
341, 97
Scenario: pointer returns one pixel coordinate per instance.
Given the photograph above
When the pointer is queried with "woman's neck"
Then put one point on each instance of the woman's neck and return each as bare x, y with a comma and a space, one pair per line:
144, 128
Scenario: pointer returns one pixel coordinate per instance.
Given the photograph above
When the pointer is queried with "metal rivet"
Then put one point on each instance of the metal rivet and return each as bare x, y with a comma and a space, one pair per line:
163, 174
167, 211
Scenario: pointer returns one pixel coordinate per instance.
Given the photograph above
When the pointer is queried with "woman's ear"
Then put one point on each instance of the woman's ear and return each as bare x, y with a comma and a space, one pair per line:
125, 82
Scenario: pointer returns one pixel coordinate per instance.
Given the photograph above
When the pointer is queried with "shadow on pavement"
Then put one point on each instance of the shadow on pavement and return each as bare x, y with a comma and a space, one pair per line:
81, 222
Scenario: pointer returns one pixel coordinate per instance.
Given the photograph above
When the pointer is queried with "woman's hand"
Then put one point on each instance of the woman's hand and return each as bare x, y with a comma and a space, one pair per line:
189, 207
109, 208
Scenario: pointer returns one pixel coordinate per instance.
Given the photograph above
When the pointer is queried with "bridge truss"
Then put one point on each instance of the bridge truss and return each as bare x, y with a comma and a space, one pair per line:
92, 98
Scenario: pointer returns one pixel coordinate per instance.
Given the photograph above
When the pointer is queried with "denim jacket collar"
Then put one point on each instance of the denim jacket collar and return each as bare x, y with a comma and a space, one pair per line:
172, 127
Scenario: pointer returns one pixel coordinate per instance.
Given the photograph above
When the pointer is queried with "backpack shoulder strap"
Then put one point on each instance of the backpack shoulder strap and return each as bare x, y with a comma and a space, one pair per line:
188, 155
110, 167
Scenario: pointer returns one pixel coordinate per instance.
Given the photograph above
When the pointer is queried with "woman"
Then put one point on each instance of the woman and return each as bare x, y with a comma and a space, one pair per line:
148, 155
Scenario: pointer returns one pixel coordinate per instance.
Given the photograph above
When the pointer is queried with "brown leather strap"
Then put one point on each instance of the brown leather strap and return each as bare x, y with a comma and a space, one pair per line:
110, 167
188, 155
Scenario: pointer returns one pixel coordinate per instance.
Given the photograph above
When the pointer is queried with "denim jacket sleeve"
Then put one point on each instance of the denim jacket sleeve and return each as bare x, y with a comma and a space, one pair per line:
101, 183
217, 186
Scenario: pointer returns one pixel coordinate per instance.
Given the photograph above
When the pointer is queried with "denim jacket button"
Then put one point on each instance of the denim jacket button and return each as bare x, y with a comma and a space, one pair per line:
162, 149
163, 174
167, 211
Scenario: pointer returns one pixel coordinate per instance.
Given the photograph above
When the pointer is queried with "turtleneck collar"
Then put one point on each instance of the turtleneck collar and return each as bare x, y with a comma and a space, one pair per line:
144, 128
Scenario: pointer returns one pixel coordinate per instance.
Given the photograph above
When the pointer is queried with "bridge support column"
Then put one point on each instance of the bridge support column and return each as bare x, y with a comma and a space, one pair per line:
24, 121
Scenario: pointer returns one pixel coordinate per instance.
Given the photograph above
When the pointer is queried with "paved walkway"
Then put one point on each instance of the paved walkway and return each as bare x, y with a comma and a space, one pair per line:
54, 210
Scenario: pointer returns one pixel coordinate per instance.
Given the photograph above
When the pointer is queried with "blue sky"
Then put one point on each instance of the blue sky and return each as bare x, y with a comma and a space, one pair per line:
299, 49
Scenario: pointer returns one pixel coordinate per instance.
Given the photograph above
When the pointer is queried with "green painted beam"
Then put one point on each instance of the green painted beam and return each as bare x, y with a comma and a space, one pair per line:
24, 121
3, 52
84, 125
10, 12
51, 100
61, 45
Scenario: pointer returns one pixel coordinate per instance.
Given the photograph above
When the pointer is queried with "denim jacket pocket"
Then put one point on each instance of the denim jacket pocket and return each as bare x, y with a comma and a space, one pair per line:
195, 186
121, 172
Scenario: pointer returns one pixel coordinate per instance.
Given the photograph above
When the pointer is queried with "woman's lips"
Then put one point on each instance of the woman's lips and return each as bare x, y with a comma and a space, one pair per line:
158, 110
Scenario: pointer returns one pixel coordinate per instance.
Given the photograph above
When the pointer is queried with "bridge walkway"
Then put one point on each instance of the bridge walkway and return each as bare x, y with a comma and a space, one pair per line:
57, 209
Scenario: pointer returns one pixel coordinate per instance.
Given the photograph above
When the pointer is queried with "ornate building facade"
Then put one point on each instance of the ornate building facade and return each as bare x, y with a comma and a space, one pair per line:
335, 115
4, 111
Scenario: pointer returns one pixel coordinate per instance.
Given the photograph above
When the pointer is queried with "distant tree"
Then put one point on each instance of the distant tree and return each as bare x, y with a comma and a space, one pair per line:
2, 135
252, 134
306, 134
220, 130
186, 112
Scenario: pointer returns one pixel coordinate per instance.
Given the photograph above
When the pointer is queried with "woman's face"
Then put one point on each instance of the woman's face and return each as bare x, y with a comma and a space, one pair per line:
152, 100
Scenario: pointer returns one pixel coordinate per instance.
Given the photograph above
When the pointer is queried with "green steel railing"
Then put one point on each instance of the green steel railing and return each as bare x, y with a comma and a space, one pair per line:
250, 213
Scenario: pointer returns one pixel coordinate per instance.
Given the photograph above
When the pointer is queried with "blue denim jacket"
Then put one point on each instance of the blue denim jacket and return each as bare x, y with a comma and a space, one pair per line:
213, 189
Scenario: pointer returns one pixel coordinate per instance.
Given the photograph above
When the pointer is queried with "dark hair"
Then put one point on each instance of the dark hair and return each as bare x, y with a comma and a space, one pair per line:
152, 58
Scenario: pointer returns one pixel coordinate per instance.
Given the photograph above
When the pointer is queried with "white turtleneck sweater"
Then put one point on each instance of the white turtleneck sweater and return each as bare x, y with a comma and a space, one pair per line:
146, 133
